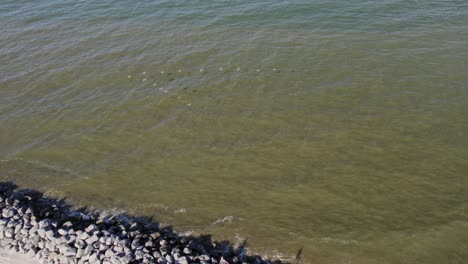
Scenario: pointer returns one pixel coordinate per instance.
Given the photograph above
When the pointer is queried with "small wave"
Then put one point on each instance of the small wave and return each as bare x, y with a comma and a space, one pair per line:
225, 219
327, 240
180, 211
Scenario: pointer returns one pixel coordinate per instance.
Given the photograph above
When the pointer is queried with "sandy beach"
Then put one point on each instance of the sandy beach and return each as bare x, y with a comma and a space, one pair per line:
10, 257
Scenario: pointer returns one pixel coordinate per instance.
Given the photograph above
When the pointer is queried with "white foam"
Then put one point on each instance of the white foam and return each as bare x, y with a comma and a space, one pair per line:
224, 220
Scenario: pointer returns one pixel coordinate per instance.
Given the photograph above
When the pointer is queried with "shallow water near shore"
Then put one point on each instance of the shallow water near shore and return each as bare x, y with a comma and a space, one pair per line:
339, 128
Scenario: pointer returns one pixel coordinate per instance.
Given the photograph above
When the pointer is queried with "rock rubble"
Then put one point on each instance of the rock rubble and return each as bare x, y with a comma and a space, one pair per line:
51, 231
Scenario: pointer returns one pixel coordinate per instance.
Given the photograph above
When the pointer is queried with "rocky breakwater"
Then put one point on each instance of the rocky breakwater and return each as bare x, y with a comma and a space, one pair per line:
52, 232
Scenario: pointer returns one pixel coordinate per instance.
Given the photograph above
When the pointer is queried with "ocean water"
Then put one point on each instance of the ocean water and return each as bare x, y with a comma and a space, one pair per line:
339, 127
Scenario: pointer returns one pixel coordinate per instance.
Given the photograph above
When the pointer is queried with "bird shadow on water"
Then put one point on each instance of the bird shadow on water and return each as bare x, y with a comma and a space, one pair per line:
61, 213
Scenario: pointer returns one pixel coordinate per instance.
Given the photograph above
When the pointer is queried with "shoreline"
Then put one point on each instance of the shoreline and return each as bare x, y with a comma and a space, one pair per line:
39, 229
11, 257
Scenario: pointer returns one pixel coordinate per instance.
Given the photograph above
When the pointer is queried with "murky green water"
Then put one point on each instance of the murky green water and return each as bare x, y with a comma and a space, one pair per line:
336, 126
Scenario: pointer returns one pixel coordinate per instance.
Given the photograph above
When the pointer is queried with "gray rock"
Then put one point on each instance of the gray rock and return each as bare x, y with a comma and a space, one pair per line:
50, 246
124, 243
135, 244
134, 227
115, 260
6, 241
118, 249
62, 232
38, 254
80, 243
149, 244
41, 232
45, 223
182, 260
52, 256
88, 249
70, 239
50, 234
105, 232
93, 258
169, 259
109, 253
28, 246
127, 250
103, 247
83, 236
147, 258
79, 253
26, 222
31, 253
67, 225
71, 260
8, 213
59, 240
24, 232
9, 233
135, 234
62, 259
155, 235
138, 255
85, 257
11, 223
96, 245
92, 239
91, 228
67, 251
18, 228
33, 230
14, 242
109, 241
128, 258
